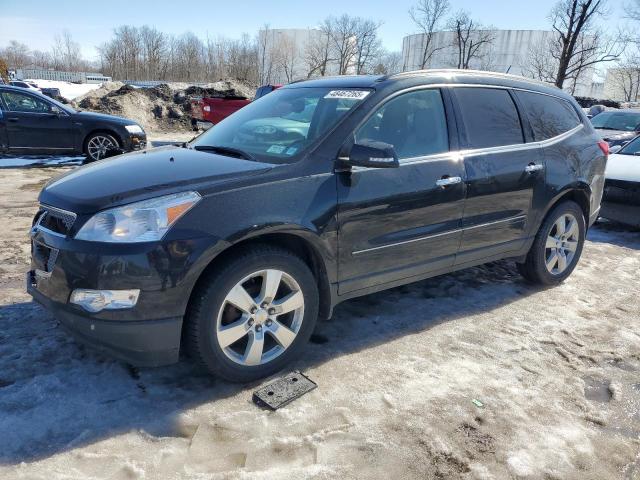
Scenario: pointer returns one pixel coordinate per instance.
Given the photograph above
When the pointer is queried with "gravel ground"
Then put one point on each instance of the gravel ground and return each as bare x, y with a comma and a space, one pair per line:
469, 375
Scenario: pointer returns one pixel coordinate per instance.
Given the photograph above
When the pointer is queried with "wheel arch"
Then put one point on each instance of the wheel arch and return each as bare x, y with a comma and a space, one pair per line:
293, 241
578, 192
104, 130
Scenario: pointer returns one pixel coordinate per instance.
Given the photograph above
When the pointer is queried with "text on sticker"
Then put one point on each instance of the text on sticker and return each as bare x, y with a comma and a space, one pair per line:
347, 94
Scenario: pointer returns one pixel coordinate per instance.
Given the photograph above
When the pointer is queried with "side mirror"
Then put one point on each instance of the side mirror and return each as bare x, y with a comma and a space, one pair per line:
373, 155
55, 111
615, 149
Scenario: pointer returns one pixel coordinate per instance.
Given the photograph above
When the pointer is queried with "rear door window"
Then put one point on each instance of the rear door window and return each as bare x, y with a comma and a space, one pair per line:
414, 123
490, 117
549, 116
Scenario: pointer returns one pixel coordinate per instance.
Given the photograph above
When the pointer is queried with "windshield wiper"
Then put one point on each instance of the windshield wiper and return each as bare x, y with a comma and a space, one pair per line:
228, 151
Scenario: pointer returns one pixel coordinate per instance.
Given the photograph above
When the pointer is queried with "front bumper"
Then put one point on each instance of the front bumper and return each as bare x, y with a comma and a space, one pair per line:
621, 213
135, 141
621, 202
164, 272
148, 343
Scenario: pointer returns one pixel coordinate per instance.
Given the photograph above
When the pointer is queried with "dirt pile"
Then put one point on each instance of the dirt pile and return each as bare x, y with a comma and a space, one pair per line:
163, 108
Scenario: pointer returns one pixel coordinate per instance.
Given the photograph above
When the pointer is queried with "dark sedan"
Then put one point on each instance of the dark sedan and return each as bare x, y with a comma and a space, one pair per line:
31, 123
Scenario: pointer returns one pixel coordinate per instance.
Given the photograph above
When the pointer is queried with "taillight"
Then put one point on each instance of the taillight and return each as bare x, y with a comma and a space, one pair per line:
604, 146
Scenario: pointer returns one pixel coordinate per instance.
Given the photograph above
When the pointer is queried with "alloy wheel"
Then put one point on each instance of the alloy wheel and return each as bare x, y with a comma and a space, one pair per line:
562, 244
99, 145
260, 317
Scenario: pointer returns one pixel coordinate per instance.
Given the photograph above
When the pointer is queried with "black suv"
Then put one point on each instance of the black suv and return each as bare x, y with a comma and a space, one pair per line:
31, 123
231, 246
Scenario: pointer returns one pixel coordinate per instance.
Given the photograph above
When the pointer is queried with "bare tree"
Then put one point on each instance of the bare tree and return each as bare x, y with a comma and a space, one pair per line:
344, 42
265, 54
286, 57
41, 59
65, 53
578, 44
537, 63
626, 79
471, 41
388, 63
428, 16
153, 48
368, 44
318, 51
16, 54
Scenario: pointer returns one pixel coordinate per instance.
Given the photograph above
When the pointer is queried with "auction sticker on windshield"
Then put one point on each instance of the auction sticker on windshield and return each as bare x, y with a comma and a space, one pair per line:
348, 94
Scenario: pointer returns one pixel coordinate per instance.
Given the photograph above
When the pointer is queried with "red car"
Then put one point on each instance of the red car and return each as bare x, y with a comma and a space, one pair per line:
207, 111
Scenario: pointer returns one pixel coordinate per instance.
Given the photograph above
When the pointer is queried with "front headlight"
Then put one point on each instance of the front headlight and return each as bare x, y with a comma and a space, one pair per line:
134, 129
145, 221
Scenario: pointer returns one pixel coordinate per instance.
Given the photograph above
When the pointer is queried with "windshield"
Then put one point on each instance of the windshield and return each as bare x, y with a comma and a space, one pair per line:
631, 148
282, 126
627, 121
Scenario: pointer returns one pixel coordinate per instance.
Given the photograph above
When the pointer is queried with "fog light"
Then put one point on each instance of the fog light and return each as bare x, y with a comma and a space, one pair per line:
96, 300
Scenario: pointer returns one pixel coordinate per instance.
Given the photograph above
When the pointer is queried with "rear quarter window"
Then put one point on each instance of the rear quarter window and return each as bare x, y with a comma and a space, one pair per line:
490, 117
549, 116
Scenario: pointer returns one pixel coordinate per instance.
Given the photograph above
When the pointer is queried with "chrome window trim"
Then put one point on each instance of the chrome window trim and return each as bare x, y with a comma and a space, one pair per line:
461, 154
470, 152
440, 234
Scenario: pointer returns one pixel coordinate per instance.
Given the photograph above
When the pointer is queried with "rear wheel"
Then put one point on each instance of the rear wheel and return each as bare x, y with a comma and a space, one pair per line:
557, 247
253, 315
98, 145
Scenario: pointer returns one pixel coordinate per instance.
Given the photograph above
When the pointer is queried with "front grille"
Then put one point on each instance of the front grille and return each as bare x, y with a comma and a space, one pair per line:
621, 191
44, 257
55, 220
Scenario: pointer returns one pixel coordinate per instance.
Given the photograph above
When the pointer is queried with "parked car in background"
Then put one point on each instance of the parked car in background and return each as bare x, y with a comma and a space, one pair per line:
621, 199
22, 84
31, 123
231, 246
208, 111
617, 127
594, 110
265, 89
51, 92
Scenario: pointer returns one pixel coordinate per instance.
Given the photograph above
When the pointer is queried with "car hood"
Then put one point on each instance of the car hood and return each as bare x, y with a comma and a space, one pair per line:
623, 167
103, 117
138, 176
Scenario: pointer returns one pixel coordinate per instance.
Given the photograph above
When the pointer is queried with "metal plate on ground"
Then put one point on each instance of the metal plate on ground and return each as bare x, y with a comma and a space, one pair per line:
283, 391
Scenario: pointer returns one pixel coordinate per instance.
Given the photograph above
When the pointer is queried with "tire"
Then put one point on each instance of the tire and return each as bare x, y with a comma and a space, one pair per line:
212, 320
535, 268
92, 146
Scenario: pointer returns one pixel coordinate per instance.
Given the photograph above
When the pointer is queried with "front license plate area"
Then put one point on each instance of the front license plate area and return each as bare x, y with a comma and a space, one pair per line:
43, 258
283, 391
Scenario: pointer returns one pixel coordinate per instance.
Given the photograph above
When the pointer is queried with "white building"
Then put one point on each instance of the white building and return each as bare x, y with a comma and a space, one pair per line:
77, 77
508, 52
622, 84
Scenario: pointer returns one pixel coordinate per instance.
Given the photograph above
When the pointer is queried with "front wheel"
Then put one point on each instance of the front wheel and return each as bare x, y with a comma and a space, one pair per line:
253, 315
100, 145
557, 247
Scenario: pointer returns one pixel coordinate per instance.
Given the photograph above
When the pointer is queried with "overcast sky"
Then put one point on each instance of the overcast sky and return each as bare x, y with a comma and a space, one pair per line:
36, 22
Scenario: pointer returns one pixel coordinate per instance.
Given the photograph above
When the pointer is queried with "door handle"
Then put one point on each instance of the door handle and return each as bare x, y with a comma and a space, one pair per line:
13, 119
446, 181
533, 167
